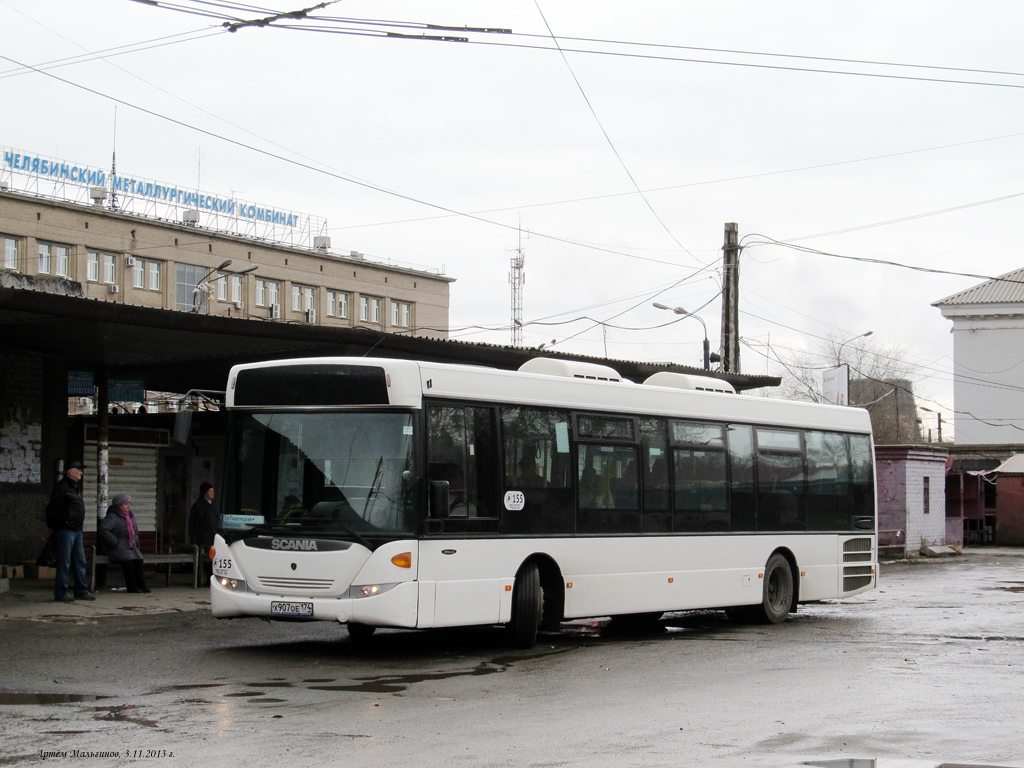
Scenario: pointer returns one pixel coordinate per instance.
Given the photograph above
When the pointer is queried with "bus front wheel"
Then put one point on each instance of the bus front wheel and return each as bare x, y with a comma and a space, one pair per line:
527, 607
778, 590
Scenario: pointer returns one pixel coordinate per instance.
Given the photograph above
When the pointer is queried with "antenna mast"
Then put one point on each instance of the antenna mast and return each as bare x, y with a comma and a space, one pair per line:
517, 276
113, 167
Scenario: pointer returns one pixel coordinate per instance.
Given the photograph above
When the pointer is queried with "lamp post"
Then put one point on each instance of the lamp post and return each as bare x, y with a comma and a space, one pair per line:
707, 344
839, 352
938, 414
203, 279
839, 362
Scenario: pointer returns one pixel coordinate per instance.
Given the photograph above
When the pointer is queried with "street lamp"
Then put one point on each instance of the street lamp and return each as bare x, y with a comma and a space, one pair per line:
203, 279
707, 344
839, 352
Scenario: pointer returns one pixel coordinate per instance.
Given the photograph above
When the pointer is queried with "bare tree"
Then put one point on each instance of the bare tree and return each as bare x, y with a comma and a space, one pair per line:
881, 380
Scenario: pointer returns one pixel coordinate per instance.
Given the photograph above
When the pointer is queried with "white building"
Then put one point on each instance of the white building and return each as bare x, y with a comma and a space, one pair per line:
988, 360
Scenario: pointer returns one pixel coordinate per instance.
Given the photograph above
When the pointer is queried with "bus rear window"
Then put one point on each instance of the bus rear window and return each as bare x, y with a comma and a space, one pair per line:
321, 385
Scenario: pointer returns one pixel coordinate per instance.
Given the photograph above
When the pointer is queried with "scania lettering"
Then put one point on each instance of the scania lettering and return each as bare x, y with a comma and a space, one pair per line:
397, 493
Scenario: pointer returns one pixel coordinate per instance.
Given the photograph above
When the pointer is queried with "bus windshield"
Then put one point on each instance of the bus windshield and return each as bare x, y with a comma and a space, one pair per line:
330, 475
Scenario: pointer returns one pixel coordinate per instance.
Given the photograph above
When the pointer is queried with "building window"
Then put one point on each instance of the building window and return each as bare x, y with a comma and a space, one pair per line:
401, 314
272, 294
927, 495
236, 288
139, 274
297, 298
222, 288
369, 309
62, 256
10, 253
108, 268
337, 304
261, 293
309, 295
44, 259
154, 275
92, 267
186, 281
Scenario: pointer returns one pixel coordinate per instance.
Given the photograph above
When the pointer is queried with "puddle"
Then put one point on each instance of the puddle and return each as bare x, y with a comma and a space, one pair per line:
898, 763
399, 683
123, 714
47, 698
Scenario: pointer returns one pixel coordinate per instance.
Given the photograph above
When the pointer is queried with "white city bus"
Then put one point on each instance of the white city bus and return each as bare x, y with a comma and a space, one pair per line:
396, 493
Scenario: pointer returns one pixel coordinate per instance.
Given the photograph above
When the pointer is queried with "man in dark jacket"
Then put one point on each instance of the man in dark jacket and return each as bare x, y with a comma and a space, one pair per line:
203, 522
65, 515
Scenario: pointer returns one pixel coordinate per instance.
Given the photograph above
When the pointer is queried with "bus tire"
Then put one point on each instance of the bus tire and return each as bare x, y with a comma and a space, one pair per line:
359, 633
527, 607
777, 591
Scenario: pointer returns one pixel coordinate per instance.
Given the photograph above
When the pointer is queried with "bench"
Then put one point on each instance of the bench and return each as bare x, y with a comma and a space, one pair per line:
191, 555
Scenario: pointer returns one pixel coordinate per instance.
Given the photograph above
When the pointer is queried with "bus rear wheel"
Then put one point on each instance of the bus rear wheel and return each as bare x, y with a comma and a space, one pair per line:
778, 591
527, 607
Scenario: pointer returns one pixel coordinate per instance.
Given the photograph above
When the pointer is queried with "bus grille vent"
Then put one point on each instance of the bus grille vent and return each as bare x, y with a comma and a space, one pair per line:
856, 576
851, 583
285, 583
857, 545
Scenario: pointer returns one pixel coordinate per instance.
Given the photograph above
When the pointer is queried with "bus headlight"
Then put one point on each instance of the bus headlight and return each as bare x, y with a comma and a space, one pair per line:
369, 590
237, 585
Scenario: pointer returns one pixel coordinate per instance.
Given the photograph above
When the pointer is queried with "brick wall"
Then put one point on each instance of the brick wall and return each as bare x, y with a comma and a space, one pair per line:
901, 473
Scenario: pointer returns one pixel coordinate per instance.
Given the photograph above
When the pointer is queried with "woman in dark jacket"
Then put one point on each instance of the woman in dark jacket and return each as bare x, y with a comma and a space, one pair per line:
119, 533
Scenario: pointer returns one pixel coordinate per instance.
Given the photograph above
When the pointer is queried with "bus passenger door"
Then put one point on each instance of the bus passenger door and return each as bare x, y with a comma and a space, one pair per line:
456, 562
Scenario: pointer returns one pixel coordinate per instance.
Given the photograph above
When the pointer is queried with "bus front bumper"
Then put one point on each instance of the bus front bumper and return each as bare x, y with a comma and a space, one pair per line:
394, 608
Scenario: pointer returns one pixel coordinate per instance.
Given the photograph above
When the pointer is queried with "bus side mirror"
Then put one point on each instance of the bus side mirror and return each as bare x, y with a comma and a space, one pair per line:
439, 499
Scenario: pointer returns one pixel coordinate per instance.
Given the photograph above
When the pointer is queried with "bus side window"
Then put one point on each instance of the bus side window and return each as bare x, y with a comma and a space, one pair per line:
863, 477
781, 481
829, 503
460, 452
536, 459
655, 517
742, 491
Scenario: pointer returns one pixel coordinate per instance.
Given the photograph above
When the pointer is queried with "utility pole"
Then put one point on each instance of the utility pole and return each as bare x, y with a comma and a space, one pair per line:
731, 300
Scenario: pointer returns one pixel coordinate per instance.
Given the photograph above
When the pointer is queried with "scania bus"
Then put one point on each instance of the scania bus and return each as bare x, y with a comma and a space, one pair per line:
398, 493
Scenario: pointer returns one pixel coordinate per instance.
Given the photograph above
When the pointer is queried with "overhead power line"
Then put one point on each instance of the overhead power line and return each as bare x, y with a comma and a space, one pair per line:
867, 260
331, 25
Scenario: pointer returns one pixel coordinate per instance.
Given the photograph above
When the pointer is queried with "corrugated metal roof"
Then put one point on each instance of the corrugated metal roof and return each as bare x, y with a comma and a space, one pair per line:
1005, 289
1012, 466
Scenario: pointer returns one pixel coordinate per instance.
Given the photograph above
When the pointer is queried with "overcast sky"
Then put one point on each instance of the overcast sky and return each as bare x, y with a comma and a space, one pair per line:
621, 157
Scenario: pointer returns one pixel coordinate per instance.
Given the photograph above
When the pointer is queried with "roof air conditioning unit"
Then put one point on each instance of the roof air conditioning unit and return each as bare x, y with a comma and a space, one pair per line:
310, 316
97, 195
321, 243
275, 311
356, 255
113, 289
129, 261
4, 186
190, 216
239, 305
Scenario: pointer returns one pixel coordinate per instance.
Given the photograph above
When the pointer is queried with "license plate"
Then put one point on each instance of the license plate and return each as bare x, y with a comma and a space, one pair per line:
291, 609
